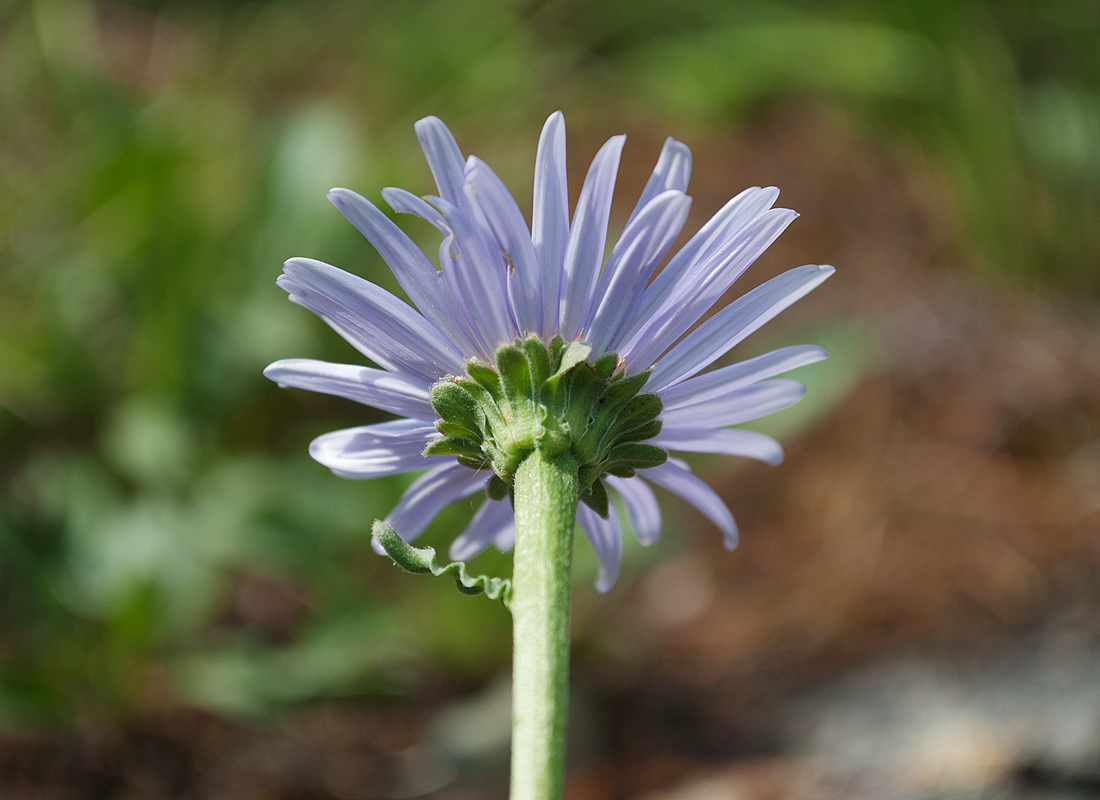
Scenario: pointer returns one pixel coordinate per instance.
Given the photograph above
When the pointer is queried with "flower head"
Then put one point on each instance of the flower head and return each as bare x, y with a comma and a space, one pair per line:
529, 338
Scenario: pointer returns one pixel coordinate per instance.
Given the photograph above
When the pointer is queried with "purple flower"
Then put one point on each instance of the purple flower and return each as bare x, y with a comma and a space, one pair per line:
501, 282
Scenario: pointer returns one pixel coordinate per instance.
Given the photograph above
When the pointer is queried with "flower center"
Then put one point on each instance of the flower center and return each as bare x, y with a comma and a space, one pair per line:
549, 398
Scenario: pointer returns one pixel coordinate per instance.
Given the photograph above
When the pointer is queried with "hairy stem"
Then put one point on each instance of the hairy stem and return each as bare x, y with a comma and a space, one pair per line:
546, 508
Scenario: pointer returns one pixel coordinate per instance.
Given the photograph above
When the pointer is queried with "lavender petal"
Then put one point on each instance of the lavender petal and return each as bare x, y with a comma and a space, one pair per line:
740, 405
726, 379
587, 237
506, 538
473, 270
718, 231
371, 387
726, 441
444, 157
732, 324
429, 494
377, 324
405, 202
632, 260
675, 476
606, 541
703, 288
483, 270
368, 451
492, 519
412, 269
673, 171
642, 508
503, 218
550, 217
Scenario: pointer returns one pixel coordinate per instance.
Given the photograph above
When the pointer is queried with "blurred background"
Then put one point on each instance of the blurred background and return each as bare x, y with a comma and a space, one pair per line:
190, 607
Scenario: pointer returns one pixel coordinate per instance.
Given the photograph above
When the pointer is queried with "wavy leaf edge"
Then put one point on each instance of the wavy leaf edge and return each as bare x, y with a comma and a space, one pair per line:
423, 561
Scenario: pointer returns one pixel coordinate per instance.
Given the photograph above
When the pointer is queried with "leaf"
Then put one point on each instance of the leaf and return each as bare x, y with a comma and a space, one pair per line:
486, 377
460, 413
514, 373
496, 489
639, 434
455, 446
422, 561
605, 365
539, 359
636, 456
595, 497
575, 353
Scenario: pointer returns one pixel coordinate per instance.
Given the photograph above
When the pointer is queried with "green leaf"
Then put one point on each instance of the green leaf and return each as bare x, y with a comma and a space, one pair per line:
639, 434
622, 390
620, 471
422, 561
557, 346
455, 446
497, 489
637, 456
605, 365
515, 382
459, 411
539, 359
575, 353
642, 409
596, 498
487, 402
486, 377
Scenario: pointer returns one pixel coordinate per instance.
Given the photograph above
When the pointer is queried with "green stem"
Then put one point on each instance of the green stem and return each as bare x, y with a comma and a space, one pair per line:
546, 514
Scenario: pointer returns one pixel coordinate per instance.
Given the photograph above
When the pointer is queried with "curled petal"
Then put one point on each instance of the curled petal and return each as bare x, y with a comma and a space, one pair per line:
479, 270
587, 238
491, 520
455, 283
412, 269
369, 451
429, 494
550, 217
753, 401
606, 541
642, 508
444, 157
673, 171
736, 376
732, 324
726, 441
473, 273
379, 325
371, 387
675, 476
405, 202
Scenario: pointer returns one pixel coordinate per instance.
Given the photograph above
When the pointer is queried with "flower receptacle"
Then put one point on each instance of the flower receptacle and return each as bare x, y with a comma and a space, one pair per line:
548, 397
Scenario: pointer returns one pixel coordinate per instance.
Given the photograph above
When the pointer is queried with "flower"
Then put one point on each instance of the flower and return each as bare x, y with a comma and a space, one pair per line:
501, 283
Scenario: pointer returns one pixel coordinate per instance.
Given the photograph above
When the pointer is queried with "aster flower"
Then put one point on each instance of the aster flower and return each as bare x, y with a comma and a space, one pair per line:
550, 379
548, 294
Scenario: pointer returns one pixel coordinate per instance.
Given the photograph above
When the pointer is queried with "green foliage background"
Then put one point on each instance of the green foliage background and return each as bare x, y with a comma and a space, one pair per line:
158, 162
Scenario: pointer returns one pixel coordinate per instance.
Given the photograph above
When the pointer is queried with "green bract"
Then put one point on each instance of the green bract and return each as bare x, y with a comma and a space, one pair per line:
548, 398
